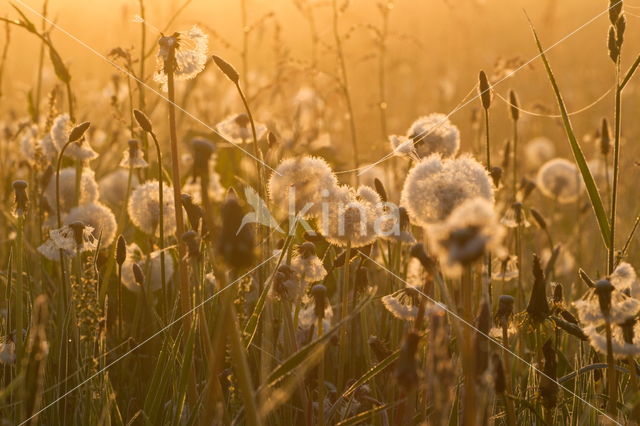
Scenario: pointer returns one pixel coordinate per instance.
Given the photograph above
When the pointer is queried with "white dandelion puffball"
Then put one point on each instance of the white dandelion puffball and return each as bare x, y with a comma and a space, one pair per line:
432, 134
144, 208
560, 179
99, 217
30, 144
347, 220
435, 186
305, 181
470, 231
88, 189
237, 129
538, 151
151, 266
190, 55
113, 187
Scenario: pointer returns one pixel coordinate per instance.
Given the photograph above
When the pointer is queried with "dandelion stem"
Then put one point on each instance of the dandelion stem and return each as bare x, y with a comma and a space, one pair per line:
321, 388
19, 287
175, 168
342, 361
163, 269
612, 385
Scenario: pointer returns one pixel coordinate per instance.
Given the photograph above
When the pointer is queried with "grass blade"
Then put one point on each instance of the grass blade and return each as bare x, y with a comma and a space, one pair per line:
592, 189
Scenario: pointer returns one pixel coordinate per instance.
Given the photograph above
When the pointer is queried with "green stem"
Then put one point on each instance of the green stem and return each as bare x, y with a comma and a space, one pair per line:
343, 314
161, 225
616, 167
19, 287
612, 385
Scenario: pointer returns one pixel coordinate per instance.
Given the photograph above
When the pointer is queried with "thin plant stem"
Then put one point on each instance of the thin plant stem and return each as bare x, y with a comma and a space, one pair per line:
163, 269
514, 164
616, 170
612, 385
468, 359
19, 307
343, 314
45, 4
175, 168
321, 388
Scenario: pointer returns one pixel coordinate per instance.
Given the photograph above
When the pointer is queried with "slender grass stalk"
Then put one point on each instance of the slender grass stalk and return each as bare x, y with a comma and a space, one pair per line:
342, 350
43, 24
468, 358
616, 171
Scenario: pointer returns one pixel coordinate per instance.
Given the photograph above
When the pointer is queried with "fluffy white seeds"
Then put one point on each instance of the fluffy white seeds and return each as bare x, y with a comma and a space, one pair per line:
560, 179
144, 208
434, 134
88, 189
97, 216
434, 187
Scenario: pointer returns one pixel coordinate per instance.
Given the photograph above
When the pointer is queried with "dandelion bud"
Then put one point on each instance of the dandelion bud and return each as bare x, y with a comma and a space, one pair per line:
548, 385
605, 138
227, 69
190, 239
202, 151
537, 216
496, 175
406, 366
603, 290
485, 90
235, 244
138, 275
514, 105
418, 251
21, 198
319, 294
506, 154
143, 120
538, 308
612, 45
194, 212
499, 379
558, 293
505, 310
78, 132
586, 279
380, 189
121, 250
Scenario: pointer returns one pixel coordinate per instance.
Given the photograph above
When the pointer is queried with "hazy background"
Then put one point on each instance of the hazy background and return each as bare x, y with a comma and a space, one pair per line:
436, 49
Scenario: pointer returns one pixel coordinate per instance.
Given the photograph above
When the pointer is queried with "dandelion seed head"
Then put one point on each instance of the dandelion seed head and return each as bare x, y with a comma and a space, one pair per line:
88, 189
621, 348
67, 240
434, 134
151, 264
132, 157
306, 179
30, 145
144, 208
538, 151
310, 269
113, 187
348, 221
369, 196
624, 277
560, 180
237, 129
434, 187
190, 55
622, 307
97, 216
400, 310
402, 146
470, 231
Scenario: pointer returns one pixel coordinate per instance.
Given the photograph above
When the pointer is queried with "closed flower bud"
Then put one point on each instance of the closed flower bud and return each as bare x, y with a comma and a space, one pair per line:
612, 45
138, 275
605, 138
194, 212
78, 132
485, 90
190, 238
121, 250
380, 189
143, 120
227, 69
514, 105
21, 198
496, 175
603, 290
538, 308
539, 219
586, 279
505, 310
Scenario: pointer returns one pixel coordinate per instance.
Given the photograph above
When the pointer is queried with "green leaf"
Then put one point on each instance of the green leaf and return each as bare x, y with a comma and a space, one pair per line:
592, 189
373, 372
